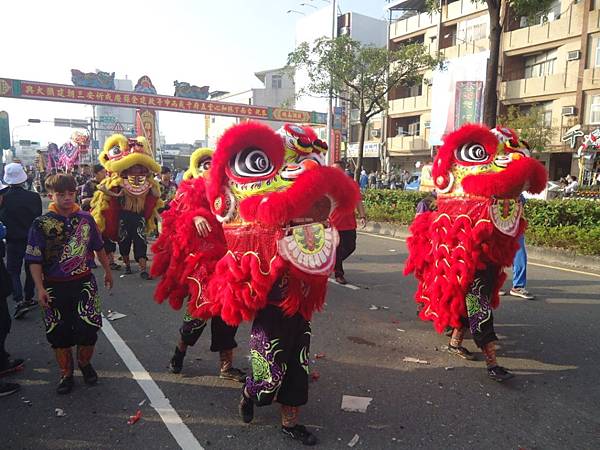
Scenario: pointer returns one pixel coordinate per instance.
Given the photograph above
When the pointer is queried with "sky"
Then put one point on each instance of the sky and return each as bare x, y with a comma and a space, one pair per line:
220, 43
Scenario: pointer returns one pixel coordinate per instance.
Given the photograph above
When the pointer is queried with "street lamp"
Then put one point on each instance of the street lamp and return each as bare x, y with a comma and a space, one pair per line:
12, 134
294, 11
308, 4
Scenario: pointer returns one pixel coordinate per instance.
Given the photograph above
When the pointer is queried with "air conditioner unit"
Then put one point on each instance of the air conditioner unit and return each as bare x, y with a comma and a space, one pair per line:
568, 111
376, 133
574, 55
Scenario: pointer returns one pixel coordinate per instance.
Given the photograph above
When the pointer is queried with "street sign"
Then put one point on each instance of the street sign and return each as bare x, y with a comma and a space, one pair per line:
118, 128
4, 131
71, 123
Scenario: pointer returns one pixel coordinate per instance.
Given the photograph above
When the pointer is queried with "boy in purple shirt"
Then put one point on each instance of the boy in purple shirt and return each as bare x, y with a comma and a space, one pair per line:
60, 252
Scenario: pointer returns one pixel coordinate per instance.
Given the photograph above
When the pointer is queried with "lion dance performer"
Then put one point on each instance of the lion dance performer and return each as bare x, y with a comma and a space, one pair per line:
189, 210
459, 251
272, 197
126, 204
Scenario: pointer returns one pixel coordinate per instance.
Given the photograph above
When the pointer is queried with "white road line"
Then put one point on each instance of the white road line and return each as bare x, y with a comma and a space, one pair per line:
158, 401
349, 286
580, 272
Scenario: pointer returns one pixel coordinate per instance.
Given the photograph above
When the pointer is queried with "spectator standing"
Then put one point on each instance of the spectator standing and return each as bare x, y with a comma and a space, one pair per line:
363, 181
18, 209
519, 281
7, 365
91, 186
372, 179
345, 224
168, 188
59, 247
572, 185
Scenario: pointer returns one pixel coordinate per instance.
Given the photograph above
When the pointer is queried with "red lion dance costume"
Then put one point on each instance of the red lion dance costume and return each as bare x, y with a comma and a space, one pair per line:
267, 198
458, 252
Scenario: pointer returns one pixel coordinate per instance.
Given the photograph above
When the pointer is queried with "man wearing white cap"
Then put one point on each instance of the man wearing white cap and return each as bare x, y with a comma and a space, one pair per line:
18, 208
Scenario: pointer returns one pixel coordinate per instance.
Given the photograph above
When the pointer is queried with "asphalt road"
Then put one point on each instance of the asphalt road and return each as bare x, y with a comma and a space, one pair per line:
552, 344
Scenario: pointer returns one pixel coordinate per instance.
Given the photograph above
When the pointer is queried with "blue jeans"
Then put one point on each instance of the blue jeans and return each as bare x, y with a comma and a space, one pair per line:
15, 253
520, 265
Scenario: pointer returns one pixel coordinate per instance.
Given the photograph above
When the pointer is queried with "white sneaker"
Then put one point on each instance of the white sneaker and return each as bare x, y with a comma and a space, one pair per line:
522, 293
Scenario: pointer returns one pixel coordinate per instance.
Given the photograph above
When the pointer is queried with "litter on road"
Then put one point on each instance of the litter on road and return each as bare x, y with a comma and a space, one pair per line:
59, 412
354, 441
351, 403
415, 360
134, 419
114, 315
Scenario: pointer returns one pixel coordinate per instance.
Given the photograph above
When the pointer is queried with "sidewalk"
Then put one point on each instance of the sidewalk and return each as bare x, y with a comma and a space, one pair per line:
564, 258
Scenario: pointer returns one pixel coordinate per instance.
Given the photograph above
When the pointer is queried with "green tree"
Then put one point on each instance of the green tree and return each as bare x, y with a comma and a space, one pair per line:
497, 10
530, 125
359, 74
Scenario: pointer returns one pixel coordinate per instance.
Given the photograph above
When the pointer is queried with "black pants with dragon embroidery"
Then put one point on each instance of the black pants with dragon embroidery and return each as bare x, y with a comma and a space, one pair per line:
222, 335
479, 306
280, 350
73, 316
132, 230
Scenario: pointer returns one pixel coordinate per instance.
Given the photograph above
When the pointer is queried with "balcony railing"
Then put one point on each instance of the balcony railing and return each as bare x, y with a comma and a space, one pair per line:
409, 105
538, 86
569, 25
408, 145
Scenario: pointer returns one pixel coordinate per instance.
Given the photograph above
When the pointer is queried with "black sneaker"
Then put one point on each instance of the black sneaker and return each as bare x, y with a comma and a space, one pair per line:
233, 374
115, 266
23, 307
65, 385
246, 409
461, 352
300, 433
499, 374
8, 388
145, 275
11, 365
90, 377
128, 270
177, 361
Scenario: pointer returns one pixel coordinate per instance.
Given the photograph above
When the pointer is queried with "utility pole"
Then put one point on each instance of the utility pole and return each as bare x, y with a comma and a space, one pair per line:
330, 141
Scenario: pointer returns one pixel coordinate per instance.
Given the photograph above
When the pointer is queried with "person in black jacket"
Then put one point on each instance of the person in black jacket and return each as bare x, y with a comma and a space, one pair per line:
7, 365
18, 208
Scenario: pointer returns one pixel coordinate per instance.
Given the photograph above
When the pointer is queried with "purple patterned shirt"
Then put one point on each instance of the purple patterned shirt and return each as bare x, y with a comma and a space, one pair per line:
63, 245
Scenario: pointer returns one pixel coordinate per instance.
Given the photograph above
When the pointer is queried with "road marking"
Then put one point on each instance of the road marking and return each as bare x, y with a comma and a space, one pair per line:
349, 286
158, 401
580, 272
381, 237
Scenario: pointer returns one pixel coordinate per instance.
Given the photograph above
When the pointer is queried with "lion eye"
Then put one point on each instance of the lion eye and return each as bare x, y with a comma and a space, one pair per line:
251, 162
472, 153
115, 151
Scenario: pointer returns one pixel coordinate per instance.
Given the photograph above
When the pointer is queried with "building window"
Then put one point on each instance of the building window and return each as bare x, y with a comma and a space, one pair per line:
414, 129
595, 110
598, 51
276, 82
540, 65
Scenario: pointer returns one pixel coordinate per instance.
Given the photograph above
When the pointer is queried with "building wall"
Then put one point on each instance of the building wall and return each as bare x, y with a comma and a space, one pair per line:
555, 90
114, 114
270, 95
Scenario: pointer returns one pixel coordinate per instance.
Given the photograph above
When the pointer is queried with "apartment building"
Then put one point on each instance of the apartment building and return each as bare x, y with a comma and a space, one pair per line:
552, 63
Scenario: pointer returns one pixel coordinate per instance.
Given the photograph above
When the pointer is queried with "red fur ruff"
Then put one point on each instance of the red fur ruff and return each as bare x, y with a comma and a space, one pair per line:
243, 278
179, 252
446, 248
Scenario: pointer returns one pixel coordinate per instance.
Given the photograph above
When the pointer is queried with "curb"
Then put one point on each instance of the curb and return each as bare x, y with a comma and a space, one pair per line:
564, 258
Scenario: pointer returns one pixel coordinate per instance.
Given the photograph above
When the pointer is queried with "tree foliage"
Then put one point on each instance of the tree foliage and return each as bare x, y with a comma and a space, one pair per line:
497, 10
361, 75
530, 125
